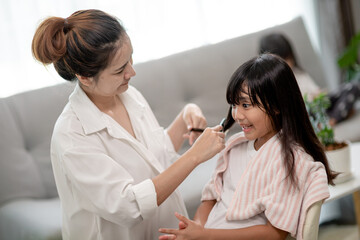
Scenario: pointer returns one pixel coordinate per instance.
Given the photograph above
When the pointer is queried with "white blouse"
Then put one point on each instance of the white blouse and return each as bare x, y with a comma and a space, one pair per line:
239, 156
103, 174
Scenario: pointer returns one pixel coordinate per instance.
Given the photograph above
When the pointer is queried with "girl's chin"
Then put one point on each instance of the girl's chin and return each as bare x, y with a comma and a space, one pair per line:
249, 136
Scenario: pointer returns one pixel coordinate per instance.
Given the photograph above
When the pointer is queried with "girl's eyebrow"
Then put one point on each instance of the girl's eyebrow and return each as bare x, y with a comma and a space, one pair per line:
241, 98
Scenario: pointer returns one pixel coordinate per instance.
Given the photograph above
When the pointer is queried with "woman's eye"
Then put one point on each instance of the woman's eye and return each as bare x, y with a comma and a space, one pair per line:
122, 69
245, 105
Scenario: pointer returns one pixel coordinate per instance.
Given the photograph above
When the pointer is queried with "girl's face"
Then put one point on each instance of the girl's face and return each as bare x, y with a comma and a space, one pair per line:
255, 123
114, 78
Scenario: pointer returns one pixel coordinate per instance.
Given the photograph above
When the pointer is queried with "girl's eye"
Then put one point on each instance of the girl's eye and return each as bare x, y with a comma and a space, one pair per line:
245, 105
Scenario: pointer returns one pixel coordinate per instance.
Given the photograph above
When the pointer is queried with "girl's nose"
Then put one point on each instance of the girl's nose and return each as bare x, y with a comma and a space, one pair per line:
237, 113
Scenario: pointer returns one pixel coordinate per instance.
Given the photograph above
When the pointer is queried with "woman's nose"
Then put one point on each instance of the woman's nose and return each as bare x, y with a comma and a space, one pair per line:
130, 72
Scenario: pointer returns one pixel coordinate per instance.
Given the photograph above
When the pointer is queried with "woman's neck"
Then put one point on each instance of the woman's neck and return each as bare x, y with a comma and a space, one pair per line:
104, 103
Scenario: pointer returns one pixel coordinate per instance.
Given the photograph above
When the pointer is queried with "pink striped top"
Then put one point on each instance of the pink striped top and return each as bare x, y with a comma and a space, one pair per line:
262, 187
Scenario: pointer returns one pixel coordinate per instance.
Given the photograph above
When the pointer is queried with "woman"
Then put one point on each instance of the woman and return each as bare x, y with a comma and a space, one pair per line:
341, 101
111, 159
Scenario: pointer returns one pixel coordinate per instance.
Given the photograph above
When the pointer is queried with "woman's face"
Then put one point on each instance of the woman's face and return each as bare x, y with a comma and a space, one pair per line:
115, 77
255, 123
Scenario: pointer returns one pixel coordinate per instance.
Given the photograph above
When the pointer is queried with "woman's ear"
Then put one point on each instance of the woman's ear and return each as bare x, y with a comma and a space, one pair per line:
86, 81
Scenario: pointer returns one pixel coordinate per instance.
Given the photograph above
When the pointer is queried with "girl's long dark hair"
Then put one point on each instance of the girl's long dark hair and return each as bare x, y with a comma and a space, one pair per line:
272, 86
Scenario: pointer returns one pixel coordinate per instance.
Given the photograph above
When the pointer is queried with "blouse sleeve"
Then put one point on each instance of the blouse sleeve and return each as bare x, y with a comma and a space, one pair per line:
101, 185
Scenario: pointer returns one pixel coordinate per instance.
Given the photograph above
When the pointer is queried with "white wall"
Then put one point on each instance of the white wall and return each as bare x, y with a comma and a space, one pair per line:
156, 27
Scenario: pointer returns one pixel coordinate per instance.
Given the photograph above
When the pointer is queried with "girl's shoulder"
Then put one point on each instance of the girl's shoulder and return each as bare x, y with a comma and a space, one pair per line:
304, 162
236, 139
301, 154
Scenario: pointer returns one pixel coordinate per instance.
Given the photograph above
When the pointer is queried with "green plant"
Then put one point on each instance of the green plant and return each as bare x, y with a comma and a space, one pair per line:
319, 120
349, 60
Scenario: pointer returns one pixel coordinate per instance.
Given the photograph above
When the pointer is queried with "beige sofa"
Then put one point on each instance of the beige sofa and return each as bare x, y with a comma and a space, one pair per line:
29, 205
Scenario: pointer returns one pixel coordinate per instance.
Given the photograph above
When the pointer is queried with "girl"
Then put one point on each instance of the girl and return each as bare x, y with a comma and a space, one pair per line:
268, 174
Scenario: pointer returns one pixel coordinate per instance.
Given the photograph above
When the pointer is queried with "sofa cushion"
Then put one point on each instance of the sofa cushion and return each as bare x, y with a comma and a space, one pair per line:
31, 219
19, 176
201, 75
26, 127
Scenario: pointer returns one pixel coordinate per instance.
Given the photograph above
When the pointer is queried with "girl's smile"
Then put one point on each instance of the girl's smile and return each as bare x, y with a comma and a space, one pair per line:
246, 128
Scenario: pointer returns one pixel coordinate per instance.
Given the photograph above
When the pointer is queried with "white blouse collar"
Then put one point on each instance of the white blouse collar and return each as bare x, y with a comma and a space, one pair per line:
91, 118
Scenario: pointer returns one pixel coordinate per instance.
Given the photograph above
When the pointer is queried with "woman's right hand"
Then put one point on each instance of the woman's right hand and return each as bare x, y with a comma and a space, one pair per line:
210, 142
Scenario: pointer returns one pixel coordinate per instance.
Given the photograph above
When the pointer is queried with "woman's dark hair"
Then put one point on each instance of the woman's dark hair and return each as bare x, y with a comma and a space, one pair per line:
82, 44
277, 43
271, 85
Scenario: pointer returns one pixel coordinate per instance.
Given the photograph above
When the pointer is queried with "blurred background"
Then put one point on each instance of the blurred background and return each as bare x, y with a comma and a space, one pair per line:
159, 28
162, 27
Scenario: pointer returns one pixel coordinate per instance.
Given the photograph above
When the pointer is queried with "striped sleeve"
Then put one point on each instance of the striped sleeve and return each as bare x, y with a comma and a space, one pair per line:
212, 189
287, 205
288, 212
268, 190
208, 192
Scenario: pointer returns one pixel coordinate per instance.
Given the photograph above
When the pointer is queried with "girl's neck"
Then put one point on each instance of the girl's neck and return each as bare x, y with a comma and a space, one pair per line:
259, 142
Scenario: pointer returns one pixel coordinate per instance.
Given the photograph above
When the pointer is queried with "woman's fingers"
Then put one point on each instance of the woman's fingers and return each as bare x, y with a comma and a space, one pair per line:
194, 118
210, 142
217, 128
197, 122
193, 136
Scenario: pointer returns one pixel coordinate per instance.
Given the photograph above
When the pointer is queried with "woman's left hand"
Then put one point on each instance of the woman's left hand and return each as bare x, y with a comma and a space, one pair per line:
193, 118
187, 230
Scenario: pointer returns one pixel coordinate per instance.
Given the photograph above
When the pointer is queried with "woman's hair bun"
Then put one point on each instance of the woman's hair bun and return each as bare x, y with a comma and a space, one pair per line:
49, 42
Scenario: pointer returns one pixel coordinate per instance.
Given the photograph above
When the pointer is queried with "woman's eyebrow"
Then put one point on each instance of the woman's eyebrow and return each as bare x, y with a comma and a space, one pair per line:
121, 68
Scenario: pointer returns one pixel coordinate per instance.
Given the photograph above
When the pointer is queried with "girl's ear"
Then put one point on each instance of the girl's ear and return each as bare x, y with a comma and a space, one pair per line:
86, 81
